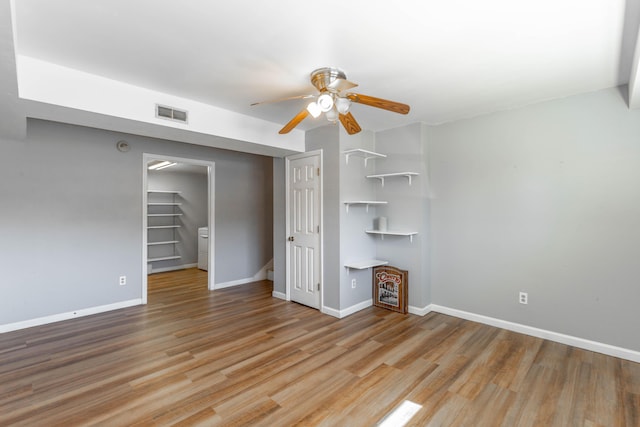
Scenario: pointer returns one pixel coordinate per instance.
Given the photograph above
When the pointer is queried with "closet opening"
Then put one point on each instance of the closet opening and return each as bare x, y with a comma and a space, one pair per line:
178, 216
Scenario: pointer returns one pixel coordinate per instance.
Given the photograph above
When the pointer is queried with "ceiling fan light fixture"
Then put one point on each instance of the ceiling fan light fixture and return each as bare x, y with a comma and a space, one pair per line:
314, 109
332, 115
333, 99
342, 105
325, 102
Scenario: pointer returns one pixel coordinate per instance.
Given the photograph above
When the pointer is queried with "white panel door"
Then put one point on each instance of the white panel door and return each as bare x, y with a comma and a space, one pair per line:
304, 230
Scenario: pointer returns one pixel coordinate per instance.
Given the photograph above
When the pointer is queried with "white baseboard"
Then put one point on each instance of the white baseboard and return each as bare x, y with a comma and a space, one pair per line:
262, 274
420, 311
66, 316
347, 311
233, 283
361, 306
585, 344
279, 295
331, 312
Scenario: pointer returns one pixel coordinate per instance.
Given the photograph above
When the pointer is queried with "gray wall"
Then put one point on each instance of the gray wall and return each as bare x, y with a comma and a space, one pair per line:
326, 138
279, 226
244, 216
545, 200
192, 184
72, 217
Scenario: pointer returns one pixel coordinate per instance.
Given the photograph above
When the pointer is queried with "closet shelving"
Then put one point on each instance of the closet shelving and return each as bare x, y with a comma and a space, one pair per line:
168, 242
164, 211
163, 258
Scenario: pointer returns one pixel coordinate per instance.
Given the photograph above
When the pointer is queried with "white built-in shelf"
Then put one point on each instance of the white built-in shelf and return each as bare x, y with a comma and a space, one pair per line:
164, 258
364, 264
164, 237
409, 234
367, 203
168, 242
359, 152
382, 176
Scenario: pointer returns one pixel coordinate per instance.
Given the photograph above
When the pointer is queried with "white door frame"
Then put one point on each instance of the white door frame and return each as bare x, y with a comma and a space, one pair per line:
210, 165
288, 224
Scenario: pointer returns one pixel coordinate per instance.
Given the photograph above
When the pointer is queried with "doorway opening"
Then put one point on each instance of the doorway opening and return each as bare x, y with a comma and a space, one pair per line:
177, 216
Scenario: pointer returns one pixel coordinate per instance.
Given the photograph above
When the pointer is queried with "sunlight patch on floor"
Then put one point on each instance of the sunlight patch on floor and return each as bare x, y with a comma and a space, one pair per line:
401, 415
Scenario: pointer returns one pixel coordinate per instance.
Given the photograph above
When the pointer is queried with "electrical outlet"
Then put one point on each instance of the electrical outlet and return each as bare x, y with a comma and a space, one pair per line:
353, 283
123, 280
524, 298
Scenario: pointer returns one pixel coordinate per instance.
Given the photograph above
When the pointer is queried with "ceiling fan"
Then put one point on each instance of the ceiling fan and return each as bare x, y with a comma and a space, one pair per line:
334, 102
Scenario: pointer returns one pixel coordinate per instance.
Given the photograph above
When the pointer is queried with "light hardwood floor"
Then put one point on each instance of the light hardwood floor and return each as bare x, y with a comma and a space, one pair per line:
237, 356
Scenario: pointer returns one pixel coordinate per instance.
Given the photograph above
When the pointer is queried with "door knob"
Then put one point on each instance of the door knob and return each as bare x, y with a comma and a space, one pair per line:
291, 238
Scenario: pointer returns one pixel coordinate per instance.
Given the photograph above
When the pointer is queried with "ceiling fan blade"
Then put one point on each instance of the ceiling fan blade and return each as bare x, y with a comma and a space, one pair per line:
385, 104
339, 85
295, 121
349, 123
271, 101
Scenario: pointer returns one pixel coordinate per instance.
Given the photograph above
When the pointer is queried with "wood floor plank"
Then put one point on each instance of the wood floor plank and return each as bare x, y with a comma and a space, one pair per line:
239, 357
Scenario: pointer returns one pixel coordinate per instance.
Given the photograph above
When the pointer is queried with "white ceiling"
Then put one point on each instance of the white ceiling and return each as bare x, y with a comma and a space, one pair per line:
447, 59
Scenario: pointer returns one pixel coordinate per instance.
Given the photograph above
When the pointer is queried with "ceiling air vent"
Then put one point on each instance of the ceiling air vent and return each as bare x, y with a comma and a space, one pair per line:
170, 113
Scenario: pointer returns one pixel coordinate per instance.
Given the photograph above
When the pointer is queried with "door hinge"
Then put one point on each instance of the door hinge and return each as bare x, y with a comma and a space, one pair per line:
318, 228
318, 171
318, 286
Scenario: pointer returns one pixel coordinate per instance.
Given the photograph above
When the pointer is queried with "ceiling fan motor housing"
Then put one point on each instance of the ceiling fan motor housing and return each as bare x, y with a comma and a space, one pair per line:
323, 77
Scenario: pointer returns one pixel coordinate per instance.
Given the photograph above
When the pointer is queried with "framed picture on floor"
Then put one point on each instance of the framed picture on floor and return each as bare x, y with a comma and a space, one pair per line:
390, 288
